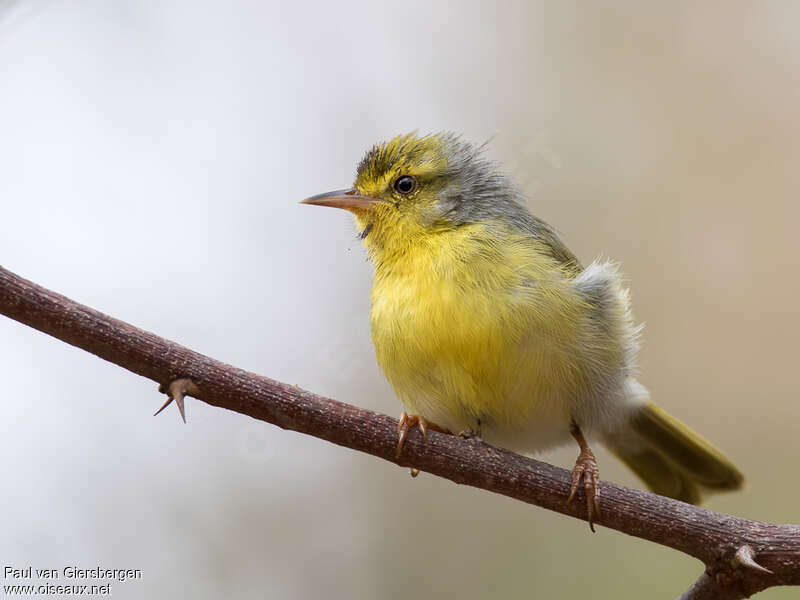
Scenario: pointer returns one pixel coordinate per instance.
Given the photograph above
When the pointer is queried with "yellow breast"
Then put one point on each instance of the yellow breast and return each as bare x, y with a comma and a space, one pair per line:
467, 328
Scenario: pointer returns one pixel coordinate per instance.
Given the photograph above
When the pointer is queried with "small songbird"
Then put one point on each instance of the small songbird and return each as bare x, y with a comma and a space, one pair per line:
484, 321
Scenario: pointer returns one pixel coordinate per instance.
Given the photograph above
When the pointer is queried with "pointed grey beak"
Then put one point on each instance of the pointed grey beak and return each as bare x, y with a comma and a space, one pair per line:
347, 199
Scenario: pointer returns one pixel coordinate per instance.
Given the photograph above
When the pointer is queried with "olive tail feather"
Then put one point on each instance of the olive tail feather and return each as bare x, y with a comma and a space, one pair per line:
672, 459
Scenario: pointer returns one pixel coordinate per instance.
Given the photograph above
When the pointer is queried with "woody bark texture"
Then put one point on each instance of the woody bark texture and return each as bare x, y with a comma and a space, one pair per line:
741, 556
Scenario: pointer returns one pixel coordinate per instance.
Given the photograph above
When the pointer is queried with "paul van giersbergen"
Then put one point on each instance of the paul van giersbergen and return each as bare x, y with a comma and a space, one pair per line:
72, 572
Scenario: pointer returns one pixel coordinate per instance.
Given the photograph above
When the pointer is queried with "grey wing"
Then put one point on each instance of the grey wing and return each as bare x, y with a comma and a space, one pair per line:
557, 249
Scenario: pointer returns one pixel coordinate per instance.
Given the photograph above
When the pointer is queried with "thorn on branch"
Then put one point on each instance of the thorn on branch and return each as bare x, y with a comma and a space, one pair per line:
745, 557
176, 390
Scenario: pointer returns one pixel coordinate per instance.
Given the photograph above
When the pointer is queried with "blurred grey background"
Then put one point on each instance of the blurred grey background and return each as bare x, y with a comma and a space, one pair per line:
152, 155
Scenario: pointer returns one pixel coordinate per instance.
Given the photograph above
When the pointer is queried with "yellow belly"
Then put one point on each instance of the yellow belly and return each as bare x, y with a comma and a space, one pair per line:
489, 339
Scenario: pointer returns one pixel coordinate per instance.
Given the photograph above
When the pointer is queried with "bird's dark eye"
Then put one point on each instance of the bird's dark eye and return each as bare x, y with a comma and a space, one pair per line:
405, 184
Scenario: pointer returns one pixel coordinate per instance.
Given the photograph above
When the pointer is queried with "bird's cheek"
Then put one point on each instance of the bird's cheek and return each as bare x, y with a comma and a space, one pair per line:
432, 213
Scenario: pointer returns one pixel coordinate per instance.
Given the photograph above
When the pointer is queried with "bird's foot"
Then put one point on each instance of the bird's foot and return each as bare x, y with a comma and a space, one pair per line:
406, 423
472, 433
586, 469
176, 390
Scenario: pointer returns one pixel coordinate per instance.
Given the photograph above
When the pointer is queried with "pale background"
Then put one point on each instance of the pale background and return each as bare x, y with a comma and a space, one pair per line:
152, 155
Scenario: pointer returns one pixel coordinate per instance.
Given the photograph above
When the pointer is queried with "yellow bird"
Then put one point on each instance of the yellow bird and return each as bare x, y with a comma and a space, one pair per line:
484, 321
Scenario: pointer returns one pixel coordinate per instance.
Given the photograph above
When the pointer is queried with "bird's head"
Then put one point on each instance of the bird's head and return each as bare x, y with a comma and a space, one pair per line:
414, 187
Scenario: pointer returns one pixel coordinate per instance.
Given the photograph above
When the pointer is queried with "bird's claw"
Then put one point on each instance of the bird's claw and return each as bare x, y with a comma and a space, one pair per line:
405, 423
176, 390
586, 469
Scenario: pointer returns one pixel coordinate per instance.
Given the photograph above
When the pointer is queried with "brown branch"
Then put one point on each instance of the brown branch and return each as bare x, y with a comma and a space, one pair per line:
707, 588
726, 579
741, 556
